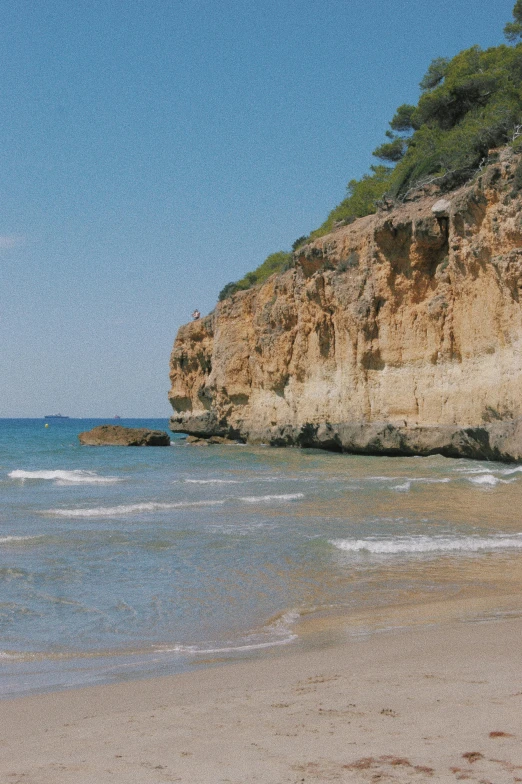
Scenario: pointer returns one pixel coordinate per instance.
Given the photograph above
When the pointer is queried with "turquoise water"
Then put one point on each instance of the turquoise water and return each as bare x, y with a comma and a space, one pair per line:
124, 562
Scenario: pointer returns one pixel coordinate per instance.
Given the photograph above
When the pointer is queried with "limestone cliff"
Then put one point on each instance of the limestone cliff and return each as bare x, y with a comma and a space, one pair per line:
400, 333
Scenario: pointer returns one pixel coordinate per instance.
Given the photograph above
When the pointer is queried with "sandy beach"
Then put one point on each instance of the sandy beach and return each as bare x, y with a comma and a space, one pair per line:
437, 703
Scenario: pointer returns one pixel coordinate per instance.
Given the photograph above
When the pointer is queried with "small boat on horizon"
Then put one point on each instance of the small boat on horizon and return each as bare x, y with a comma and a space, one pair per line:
55, 416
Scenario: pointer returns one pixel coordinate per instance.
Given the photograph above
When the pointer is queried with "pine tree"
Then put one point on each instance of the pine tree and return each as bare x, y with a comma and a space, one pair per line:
513, 30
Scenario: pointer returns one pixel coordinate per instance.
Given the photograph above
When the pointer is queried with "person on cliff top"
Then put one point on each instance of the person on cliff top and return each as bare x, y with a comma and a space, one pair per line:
196, 315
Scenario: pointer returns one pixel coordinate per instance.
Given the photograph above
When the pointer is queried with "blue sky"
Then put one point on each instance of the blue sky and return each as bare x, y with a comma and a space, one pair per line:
154, 150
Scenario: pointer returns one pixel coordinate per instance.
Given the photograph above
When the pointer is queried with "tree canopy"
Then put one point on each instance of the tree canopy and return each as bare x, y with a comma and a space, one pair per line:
513, 30
473, 107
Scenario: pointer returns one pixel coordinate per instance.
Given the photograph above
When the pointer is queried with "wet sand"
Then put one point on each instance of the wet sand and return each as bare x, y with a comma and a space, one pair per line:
434, 703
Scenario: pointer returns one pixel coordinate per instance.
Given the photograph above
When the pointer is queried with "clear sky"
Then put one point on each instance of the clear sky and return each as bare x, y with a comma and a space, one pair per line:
154, 150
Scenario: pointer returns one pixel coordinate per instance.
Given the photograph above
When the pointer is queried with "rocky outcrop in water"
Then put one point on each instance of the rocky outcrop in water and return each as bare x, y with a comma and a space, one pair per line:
398, 334
116, 435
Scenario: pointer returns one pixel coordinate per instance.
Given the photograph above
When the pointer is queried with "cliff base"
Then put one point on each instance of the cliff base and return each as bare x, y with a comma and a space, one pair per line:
494, 441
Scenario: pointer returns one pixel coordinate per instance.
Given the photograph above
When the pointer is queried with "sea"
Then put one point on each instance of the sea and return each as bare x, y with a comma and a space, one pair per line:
119, 563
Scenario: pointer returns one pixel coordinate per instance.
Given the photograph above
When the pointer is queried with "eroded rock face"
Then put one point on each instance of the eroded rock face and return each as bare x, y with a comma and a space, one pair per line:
409, 319
116, 435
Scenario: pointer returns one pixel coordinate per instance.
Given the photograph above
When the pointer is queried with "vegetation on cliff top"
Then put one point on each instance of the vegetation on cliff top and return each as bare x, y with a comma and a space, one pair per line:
276, 262
467, 106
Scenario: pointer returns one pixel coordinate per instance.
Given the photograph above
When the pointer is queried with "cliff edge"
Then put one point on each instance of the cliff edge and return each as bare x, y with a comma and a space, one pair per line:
400, 333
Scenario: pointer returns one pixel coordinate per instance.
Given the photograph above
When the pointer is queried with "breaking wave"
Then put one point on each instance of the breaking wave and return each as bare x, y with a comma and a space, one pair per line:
77, 477
488, 480
254, 499
157, 506
428, 544
126, 509
16, 539
402, 488
405, 483
212, 481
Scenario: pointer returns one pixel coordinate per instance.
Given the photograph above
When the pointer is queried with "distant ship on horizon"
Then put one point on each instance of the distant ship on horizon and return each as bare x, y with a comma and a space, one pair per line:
55, 416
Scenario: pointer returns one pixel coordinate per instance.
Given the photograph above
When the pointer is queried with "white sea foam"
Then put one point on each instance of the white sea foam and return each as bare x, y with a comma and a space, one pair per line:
488, 475
229, 649
478, 468
254, 499
488, 480
127, 509
256, 479
406, 485
427, 481
402, 488
76, 477
428, 544
212, 481
14, 539
490, 470
424, 479
507, 471
278, 630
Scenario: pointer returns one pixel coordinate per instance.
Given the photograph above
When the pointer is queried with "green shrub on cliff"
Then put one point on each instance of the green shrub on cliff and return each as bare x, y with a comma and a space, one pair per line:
276, 262
360, 201
227, 291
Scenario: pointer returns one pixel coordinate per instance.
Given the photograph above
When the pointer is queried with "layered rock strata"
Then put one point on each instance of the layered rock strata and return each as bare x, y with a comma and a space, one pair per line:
400, 333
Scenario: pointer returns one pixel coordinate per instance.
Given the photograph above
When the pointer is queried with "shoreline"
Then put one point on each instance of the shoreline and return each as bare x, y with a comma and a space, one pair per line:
419, 704
490, 591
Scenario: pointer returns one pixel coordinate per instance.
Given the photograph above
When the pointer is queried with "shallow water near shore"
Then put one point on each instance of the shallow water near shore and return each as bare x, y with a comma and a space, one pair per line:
119, 563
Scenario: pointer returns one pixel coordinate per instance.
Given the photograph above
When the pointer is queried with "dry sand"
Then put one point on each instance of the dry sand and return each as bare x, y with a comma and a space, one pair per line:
437, 704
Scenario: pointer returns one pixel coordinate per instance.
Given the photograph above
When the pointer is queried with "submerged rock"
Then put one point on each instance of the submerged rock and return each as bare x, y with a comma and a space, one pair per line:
199, 441
116, 435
